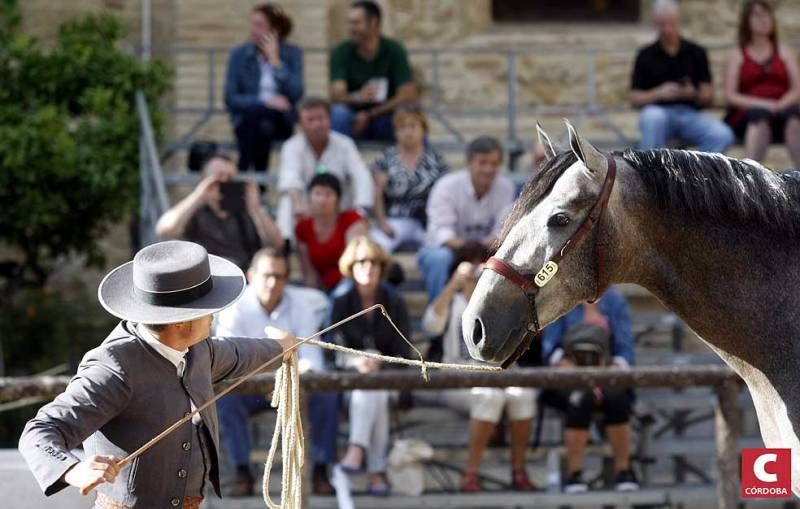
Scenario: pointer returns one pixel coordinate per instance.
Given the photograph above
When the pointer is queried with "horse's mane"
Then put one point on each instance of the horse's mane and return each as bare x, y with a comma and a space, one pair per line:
699, 187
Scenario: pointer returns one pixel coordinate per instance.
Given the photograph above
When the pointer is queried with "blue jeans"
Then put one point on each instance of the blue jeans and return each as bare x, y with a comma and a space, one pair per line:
435, 263
686, 124
234, 409
379, 128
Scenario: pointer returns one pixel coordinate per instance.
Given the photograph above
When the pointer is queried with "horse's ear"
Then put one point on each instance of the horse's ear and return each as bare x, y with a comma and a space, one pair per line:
544, 140
591, 158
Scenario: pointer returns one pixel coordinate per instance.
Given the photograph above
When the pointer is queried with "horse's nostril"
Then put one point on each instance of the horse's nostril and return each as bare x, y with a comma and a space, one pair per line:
477, 332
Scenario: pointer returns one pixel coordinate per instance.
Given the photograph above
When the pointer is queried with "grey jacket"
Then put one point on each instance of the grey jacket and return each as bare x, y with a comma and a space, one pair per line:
125, 393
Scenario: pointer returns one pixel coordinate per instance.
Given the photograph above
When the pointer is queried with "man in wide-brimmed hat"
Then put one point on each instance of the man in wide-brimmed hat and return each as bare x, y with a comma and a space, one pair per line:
157, 365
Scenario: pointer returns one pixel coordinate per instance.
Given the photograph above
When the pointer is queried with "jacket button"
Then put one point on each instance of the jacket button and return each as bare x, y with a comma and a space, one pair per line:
186, 446
182, 473
175, 502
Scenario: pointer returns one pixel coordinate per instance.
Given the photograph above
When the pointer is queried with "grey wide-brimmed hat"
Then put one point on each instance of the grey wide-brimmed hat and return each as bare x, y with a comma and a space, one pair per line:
170, 282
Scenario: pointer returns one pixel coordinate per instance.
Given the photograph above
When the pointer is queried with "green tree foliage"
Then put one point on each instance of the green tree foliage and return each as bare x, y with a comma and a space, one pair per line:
69, 138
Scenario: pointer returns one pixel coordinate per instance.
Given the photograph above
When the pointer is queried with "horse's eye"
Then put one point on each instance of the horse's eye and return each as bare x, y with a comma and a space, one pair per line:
559, 219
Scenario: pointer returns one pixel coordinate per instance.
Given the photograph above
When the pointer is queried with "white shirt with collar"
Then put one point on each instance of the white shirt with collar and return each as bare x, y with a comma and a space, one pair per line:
300, 310
454, 210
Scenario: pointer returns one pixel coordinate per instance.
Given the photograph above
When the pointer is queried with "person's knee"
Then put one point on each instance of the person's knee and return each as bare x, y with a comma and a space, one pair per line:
723, 134
341, 116
653, 117
579, 409
437, 256
521, 403
616, 407
487, 405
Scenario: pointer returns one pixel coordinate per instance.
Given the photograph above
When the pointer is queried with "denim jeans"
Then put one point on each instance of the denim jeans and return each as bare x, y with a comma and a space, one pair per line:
234, 409
434, 263
379, 128
658, 124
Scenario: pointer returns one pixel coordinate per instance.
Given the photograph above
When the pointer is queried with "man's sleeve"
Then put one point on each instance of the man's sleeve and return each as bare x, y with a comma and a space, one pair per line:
336, 65
638, 79
314, 314
233, 357
289, 172
363, 186
96, 394
442, 216
400, 69
702, 72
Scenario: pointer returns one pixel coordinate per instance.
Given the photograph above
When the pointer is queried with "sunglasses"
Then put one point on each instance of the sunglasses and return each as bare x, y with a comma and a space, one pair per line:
373, 261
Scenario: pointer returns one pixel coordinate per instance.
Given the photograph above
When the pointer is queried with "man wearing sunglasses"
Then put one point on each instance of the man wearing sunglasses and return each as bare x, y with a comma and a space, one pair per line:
270, 302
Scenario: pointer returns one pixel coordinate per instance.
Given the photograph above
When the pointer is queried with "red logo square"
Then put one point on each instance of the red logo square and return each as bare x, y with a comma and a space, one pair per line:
766, 473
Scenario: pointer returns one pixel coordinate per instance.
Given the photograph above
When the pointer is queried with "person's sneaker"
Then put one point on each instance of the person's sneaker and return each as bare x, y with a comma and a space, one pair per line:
626, 481
470, 483
575, 484
520, 480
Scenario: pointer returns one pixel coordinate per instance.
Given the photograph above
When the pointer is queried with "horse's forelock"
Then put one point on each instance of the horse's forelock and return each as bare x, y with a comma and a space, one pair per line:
536, 189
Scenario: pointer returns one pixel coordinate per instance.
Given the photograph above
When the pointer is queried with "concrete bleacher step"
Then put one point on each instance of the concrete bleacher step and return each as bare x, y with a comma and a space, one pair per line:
694, 497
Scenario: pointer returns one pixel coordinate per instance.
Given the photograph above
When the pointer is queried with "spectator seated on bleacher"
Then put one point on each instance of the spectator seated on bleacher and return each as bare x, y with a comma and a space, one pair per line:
486, 404
467, 205
263, 83
365, 264
762, 85
324, 234
671, 82
598, 334
269, 302
370, 76
222, 214
317, 150
404, 175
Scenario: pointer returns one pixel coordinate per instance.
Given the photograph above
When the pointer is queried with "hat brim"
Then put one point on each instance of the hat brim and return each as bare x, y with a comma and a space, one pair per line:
116, 294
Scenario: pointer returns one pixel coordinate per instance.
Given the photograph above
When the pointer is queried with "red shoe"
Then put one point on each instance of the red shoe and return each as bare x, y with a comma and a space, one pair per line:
470, 483
520, 481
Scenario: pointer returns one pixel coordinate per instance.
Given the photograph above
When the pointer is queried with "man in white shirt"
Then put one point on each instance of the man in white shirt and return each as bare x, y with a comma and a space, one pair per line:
317, 149
268, 302
464, 206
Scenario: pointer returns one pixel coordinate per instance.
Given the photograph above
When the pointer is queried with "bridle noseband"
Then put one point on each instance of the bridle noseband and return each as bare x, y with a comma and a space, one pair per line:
531, 283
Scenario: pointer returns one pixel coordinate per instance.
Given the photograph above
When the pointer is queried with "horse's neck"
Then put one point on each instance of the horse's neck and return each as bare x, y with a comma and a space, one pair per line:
738, 292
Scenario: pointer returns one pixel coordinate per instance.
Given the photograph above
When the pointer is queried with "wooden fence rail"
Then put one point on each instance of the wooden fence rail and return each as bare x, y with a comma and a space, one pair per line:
724, 381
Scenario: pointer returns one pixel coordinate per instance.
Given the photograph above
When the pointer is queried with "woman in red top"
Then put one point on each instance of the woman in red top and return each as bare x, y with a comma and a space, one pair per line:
322, 237
762, 85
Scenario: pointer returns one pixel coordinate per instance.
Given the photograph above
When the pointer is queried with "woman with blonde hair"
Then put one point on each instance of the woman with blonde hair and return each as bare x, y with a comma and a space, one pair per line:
365, 262
404, 175
762, 85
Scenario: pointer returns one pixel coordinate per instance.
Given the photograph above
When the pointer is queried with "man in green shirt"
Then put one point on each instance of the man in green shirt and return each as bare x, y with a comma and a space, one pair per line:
370, 77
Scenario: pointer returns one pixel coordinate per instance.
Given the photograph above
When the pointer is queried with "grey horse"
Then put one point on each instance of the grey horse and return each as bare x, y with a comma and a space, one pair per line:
715, 239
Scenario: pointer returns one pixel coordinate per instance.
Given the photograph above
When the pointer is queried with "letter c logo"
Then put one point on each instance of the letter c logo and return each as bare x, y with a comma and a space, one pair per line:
760, 463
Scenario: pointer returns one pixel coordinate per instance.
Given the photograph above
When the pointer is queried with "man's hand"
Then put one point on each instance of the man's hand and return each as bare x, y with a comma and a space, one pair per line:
366, 365
669, 91
207, 191
278, 102
565, 363
360, 122
285, 338
368, 93
387, 229
92, 471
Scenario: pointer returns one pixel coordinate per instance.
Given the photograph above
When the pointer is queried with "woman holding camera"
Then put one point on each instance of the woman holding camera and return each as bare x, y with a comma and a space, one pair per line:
597, 334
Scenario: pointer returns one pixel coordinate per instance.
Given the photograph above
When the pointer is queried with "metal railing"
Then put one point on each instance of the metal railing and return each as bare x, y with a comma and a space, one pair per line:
433, 99
725, 383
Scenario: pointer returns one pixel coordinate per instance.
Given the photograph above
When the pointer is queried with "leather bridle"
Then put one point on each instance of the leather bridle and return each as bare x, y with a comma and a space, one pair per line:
530, 283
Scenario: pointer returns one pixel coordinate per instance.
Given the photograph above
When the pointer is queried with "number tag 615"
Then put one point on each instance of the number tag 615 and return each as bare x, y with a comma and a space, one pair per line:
546, 274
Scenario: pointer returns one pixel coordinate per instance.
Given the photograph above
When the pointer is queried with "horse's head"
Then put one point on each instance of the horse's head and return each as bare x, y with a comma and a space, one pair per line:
546, 216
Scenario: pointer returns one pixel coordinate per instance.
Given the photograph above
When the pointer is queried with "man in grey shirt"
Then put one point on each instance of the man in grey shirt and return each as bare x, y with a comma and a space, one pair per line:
156, 366
464, 206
